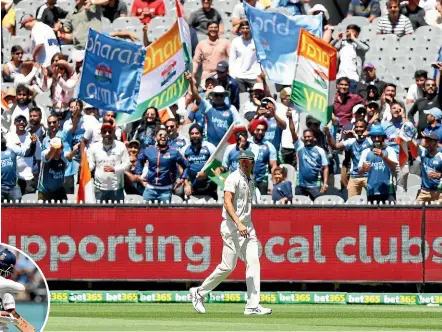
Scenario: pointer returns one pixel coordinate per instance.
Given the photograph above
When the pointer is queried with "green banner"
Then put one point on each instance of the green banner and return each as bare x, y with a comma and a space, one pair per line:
220, 179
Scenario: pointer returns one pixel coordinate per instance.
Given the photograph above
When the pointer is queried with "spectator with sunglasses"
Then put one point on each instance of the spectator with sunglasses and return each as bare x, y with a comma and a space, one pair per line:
176, 141
431, 99
12, 68
110, 160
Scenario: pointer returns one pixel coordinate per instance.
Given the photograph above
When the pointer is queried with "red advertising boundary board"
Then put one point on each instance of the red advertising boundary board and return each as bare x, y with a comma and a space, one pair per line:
433, 239
302, 244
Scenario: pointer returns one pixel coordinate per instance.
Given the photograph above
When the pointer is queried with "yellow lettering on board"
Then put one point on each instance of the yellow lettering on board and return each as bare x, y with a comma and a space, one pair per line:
315, 101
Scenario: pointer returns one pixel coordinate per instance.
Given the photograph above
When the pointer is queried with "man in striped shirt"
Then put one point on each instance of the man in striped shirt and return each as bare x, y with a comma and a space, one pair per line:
394, 22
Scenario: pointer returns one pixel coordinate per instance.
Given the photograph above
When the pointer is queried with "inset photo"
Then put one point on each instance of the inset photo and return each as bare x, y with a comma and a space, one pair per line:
24, 292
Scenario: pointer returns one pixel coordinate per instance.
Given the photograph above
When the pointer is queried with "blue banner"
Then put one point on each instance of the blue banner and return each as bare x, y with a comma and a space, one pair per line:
111, 73
276, 40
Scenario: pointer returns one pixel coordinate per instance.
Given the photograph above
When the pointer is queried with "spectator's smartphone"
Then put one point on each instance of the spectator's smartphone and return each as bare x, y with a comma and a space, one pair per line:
434, 65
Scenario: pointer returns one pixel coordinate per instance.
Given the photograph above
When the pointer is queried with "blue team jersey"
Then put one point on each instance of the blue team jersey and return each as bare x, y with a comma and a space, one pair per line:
218, 120
273, 133
356, 146
51, 176
436, 130
310, 163
379, 181
392, 130
178, 143
430, 164
282, 190
198, 117
231, 154
197, 158
266, 153
9, 166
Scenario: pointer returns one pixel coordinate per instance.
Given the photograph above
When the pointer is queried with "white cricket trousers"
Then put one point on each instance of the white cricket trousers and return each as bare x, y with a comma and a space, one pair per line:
234, 246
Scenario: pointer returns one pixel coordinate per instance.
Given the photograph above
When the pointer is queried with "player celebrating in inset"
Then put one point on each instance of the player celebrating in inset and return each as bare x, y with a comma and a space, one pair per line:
8, 314
239, 238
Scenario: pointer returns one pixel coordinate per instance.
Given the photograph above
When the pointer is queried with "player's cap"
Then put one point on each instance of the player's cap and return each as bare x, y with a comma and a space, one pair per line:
436, 112
248, 155
7, 263
431, 136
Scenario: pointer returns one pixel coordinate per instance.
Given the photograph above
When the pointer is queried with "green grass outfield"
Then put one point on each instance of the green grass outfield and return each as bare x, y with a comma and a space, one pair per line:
230, 317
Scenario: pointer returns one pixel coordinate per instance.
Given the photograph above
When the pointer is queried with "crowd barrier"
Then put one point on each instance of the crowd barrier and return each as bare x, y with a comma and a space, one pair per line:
303, 243
241, 297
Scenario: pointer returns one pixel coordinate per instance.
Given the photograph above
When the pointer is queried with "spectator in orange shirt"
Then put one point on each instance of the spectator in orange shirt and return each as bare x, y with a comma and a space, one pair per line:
145, 10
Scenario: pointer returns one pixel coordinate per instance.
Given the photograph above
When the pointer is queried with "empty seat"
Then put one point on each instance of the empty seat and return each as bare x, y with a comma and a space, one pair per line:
404, 199
202, 199
105, 23
30, 197
358, 199
299, 199
266, 199
385, 42
413, 190
414, 180
399, 69
133, 199
329, 199
388, 78
122, 23
427, 30
177, 199
24, 42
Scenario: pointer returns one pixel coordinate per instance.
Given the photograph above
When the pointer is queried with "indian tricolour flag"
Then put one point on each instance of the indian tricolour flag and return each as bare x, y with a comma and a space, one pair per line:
314, 84
86, 188
216, 159
163, 81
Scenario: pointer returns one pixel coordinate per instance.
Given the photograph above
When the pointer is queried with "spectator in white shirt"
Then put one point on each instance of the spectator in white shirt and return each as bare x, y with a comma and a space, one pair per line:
24, 102
44, 42
27, 174
110, 160
287, 147
243, 63
416, 90
28, 75
12, 68
350, 49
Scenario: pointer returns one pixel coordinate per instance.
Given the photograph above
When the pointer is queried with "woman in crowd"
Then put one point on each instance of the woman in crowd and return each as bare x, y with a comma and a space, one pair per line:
12, 68
28, 75
144, 130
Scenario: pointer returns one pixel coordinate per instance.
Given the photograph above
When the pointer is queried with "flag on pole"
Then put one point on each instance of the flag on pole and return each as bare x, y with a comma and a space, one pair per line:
163, 81
314, 84
216, 159
86, 191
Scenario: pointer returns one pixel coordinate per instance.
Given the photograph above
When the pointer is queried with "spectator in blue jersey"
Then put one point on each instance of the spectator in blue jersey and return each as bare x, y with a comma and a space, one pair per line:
74, 130
356, 142
144, 130
266, 158
176, 141
227, 82
219, 115
232, 151
131, 184
195, 114
282, 189
162, 169
312, 163
434, 118
431, 170
51, 179
392, 130
293, 7
276, 121
9, 188
379, 162
197, 152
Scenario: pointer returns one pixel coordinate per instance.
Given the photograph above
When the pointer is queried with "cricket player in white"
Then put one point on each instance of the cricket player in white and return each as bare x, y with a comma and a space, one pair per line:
239, 239
7, 301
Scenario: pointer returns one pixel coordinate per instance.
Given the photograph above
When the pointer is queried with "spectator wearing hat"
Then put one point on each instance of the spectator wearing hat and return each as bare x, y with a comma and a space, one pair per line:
365, 8
351, 51
415, 14
369, 78
25, 165
110, 160
219, 115
276, 121
210, 52
434, 118
232, 151
131, 184
431, 169
86, 14
50, 14
9, 156
51, 179
312, 164
24, 102
345, 101
327, 29
12, 67
251, 106
394, 22
243, 63
44, 42
162, 169
197, 153
229, 83
266, 158
93, 134
416, 90
379, 162
432, 98
202, 18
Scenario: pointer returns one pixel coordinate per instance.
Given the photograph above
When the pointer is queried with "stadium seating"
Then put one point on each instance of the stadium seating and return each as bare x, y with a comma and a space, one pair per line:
329, 199
358, 199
